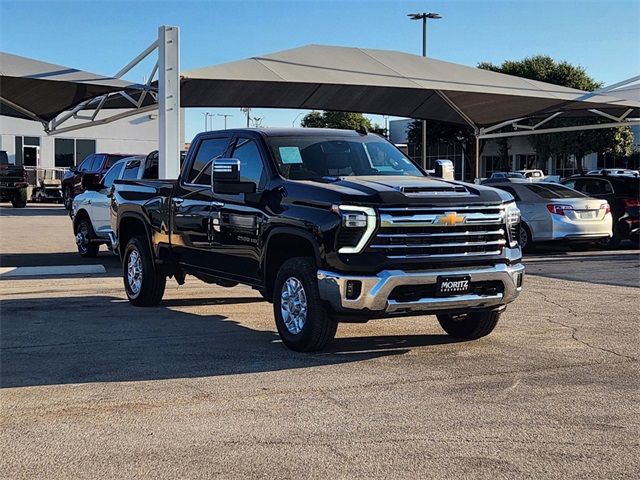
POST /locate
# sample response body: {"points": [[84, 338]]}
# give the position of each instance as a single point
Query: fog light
{"points": [[354, 287], [519, 279]]}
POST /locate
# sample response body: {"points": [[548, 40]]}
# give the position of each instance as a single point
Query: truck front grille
{"points": [[440, 232]]}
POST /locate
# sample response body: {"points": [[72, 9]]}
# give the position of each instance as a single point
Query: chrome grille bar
{"points": [[443, 245], [479, 233], [445, 255], [419, 220]]}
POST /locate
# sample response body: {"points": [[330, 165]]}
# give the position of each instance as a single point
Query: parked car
{"points": [[504, 177], [13, 182], [622, 192], [532, 175], [328, 225], [95, 165], [614, 172], [90, 212], [553, 212]]}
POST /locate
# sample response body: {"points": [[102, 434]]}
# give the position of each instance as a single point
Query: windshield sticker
{"points": [[290, 155]]}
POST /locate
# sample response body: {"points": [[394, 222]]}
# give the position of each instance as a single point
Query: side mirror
{"points": [[92, 182], [225, 177]]}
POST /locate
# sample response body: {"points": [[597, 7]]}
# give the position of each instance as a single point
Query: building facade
{"points": [[27, 144]]}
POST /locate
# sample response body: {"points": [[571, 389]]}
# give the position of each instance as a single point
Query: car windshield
{"points": [[554, 191], [311, 157]]}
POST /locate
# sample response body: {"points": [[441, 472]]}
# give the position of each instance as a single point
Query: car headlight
{"points": [[512, 216], [356, 227]]}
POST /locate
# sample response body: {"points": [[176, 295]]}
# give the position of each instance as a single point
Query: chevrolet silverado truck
{"points": [[13, 182], [328, 225]]}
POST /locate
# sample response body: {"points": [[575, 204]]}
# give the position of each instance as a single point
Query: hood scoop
{"points": [[430, 190]]}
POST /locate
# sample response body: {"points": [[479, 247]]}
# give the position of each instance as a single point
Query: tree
{"points": [[617, 141], [343, 120]]}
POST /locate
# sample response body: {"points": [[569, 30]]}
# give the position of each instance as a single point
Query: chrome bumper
{"points": [[375, 292]]}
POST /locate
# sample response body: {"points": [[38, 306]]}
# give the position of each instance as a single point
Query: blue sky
{"points": [[102, 36]]}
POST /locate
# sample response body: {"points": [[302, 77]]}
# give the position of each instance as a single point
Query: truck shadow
{"points": [[53, 341], [31, 210]]}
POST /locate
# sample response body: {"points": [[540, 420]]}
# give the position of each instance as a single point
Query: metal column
{"points": [[169, 102]]}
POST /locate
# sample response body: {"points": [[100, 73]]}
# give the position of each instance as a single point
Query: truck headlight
{"points": [[512, 215], [356, 228]]}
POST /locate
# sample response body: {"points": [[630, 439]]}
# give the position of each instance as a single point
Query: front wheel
{"points": [[470, 326], [526, 240], [19, 199], [142, 281], [302, 321]]}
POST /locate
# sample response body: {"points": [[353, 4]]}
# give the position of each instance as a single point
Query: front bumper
{"points": [[376, 290]]}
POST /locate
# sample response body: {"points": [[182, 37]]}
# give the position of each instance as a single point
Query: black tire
{"points": [[319, 328], [471, 325], [525, 240], [19, 199], [84, 235], [152, 283], [612, 242], [67, 199]]}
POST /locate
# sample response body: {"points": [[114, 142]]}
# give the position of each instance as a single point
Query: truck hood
{"points": [[401, 190]]}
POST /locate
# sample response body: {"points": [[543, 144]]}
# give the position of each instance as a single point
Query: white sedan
{"points": [[553, 212], [91, 209]]}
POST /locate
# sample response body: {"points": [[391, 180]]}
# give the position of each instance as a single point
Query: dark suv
{"points": [[95, 164], [622, 193]]}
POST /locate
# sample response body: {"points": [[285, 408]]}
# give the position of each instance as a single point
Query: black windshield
{"points": [[309, 157]]}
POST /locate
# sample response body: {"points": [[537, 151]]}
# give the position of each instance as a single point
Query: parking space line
{"points": [[51, 270]]}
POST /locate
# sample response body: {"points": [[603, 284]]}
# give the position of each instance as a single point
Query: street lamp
{"points": [[206, 120], [225, 115], [424, 16]]}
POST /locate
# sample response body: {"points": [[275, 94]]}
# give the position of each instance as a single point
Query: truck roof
{"points": [[286, 132]]}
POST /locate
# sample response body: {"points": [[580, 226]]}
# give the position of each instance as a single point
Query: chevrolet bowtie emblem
{"points": [[450, 218]]}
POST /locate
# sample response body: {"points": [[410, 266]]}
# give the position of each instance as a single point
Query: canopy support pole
{"points": [[477, 154], [168, 102]]}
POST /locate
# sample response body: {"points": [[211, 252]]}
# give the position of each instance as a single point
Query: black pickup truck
{"points": [[13, 182], [329, 225]]}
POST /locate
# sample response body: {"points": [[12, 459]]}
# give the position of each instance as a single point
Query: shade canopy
{"points": [[385, 82], [37, 90]]}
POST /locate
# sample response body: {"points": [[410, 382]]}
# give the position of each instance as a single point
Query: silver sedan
{"points": [[553, 212]]}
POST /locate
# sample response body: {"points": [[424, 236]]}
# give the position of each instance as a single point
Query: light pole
{"points": [[424, 16], [247, 110], [206, 120], [293, 124], [225, 115]]}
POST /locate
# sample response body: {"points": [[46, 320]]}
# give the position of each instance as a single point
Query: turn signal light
{"points": [[558, 209]]}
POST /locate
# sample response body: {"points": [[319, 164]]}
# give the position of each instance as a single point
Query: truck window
{"points": [[86, 164], [112, 174], [251, 166], [131, 170], [211, 148]]}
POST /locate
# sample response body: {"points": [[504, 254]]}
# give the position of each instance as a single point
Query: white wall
{"points": [[136, 134]]}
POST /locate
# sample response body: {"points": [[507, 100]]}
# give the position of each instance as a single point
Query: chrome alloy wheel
{"points": [[524, 237], [82, 238], [293, 305], [134, 272]]}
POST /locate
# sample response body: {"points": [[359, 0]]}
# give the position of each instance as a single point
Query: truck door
{"points": [[237, 219], [191, 207]]}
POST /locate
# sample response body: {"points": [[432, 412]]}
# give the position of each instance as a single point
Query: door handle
{"points": [[217, 204], [178, 201]]}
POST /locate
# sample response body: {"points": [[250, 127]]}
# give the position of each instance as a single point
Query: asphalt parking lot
{"points": [[201, 387]]}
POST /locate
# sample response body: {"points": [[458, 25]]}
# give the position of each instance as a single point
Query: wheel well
{"points": [[281, 247], [81, 215], [128, 228]]}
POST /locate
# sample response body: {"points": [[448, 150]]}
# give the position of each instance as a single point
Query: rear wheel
{"points": [[143, 283], [470, 325], [84, 235], [19, 199], [611, 242], [67, 200], [302, 321]]}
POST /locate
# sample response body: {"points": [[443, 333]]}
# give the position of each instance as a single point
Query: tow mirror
{"points": [[91, 181], [225, 177], [444, 169]]}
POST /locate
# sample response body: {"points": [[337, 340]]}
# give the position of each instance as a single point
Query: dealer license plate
{"points": [[454, 285]]}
